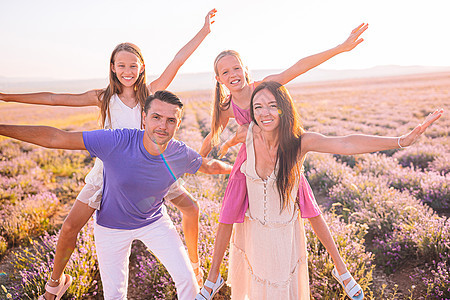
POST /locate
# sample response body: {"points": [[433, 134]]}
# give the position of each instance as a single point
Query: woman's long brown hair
{"points": [[221, 102], [115, 87], [289, 139]]}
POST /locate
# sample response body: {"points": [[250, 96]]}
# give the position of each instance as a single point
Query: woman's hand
{"points": [[410, 138]]}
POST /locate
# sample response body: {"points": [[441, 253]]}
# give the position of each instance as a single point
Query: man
{"points": [[139, 168]]}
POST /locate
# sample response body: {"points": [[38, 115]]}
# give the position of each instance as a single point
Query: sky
{"points": [[52, 39]]}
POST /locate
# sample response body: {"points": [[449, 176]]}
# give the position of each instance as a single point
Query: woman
{"points": [[268, 250], [232, 100]]}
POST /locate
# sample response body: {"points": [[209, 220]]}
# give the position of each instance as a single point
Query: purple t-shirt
{"points": [[135, 181]]}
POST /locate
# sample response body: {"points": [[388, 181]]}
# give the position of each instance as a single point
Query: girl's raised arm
{"points": [[89, 98], [358, 143], [309, 62], [163, 81]]}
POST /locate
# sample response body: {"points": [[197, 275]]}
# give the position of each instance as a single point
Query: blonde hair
{"points": [[115, 87], [221, 100]]}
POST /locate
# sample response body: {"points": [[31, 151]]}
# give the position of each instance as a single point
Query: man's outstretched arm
{"points": [[45, 136], [214, 166]]}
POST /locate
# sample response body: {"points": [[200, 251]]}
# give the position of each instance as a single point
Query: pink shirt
{"points": [[235, 199]]}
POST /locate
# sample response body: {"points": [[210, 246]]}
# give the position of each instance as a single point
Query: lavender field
{"points": [[388, 212]]}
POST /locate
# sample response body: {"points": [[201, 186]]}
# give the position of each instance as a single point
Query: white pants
{"points": [[114, 248]]}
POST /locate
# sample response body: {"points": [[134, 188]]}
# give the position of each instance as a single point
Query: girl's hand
{"points": [[238, 137], [223, 150], [410, 138], [209, 20], [353, 40]]}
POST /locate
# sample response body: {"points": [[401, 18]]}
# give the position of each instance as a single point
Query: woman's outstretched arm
{"points": [[309, 62], [163, 81], [358, 143]]}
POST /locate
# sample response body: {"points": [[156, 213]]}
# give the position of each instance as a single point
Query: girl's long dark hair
{"points": [[289, 139], [221, 102], [115, 87]]}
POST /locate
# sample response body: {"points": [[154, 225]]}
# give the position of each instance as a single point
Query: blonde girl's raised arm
{"points": [[359, 143], [89, 98], [309, 62], [163, 81]]}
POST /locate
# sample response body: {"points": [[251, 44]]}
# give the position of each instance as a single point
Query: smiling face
{"points": [[161, 122], [127, 67], [231, 73], [265, 110]]}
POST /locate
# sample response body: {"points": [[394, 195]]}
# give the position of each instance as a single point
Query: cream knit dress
{"points": [[268, 258]]}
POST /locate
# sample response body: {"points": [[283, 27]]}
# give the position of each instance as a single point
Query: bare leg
{"points": [[189, 208], [323, 233], [77, 218], [223, 237]]}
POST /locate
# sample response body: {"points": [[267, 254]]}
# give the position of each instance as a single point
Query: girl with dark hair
{"points": [[121, 104], [268, 250]]}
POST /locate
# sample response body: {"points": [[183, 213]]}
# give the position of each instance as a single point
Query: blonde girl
{"points": [[232, 100]]}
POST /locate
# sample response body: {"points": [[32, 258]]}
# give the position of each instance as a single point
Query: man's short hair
{"points": [[164, 96]]}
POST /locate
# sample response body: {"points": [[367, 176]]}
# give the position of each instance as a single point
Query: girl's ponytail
{"points": [[221, 102]]}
